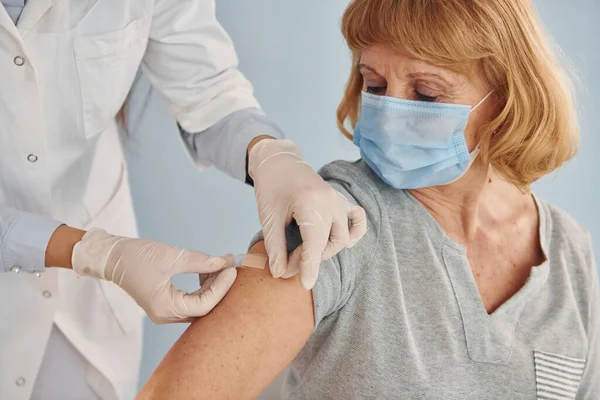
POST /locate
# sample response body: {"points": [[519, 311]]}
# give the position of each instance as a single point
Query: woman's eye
{"points": [[424, 97], [376, 90]]}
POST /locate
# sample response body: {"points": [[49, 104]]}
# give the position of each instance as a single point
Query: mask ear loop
{"points": [[482, 100], [475, 153]]}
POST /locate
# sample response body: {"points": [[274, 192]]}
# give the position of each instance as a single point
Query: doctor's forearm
{"points": [[226, 143], [60, 247]]}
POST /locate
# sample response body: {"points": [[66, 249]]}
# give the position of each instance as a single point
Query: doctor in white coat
{"points": [[66, 67]]}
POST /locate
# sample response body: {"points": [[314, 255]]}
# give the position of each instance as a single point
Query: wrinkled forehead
{"points": [[390, 63]]}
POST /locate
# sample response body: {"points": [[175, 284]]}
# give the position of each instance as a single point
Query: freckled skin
{"points": [[242, 345], [501, 260]]}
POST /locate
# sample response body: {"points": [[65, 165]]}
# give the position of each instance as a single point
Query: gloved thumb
{"points": [[293, 266], [275, 245], [189, 305]]}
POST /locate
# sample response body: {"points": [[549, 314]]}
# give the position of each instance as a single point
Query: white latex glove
{"points": [[288, 188], [145, 269]]}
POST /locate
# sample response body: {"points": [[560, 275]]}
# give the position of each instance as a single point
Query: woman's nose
{"points": [[399, 90]]}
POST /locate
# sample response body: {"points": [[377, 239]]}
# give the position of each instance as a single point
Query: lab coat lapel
{"points": [[33, 12], [7, 24]]}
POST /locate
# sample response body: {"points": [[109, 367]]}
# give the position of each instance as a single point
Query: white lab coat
{"points": [[64, 73]]}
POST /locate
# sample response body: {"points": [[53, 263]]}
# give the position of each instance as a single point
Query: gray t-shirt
{"points": [[399, 315]]}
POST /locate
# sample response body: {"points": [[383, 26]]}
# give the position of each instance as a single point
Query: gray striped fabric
{"points": [[557, 377]]}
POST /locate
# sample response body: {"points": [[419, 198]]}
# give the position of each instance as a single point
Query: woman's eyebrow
{"points": [[365, 66], [414, 75]]}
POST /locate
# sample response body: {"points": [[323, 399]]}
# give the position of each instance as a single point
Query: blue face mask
{"points": [[414, 144]]}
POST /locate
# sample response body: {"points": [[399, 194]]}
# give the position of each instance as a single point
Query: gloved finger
{"points": [[309, 266], [275, 245], [175, 320], [206, 282], [293, 266], [187, 305], [315, 233], [339, 238], [202, 278], [196, 262], [358, 224]]}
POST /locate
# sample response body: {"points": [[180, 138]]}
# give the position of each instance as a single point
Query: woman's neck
{"points": [[479, 199]]}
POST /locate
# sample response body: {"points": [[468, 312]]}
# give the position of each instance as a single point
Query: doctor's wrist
{"points": [[60, 247], [254, 141]]}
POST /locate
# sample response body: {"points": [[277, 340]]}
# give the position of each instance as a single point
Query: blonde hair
{"points": [[536, 129]]}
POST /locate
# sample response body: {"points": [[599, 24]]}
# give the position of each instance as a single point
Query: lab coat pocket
{"points": [[107, 64]]}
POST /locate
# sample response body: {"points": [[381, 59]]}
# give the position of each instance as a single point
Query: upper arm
{"points": [[191, 61], [241, 346]]}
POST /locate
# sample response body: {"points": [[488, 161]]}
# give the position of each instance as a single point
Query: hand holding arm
{"points": [[288, 188], [145, 269]]}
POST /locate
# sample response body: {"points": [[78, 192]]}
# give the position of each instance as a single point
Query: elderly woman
{"points": [[466, 286]]}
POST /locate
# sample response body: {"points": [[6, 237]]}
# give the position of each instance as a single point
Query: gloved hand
{"points": [[288, 188], [145, 269]]}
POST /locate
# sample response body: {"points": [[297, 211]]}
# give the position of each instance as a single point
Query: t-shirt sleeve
{"points": [[590, 382], [338, 275]]}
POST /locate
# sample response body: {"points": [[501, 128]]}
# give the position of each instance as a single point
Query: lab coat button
{"points": [[16, 269], [32, 158], [20, 381], [46, 294], [19, 61]]}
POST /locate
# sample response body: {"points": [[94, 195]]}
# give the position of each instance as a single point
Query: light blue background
{"points": [[295, 56]]}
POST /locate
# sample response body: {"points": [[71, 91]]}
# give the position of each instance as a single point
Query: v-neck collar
{"points": [[489, 337]]}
